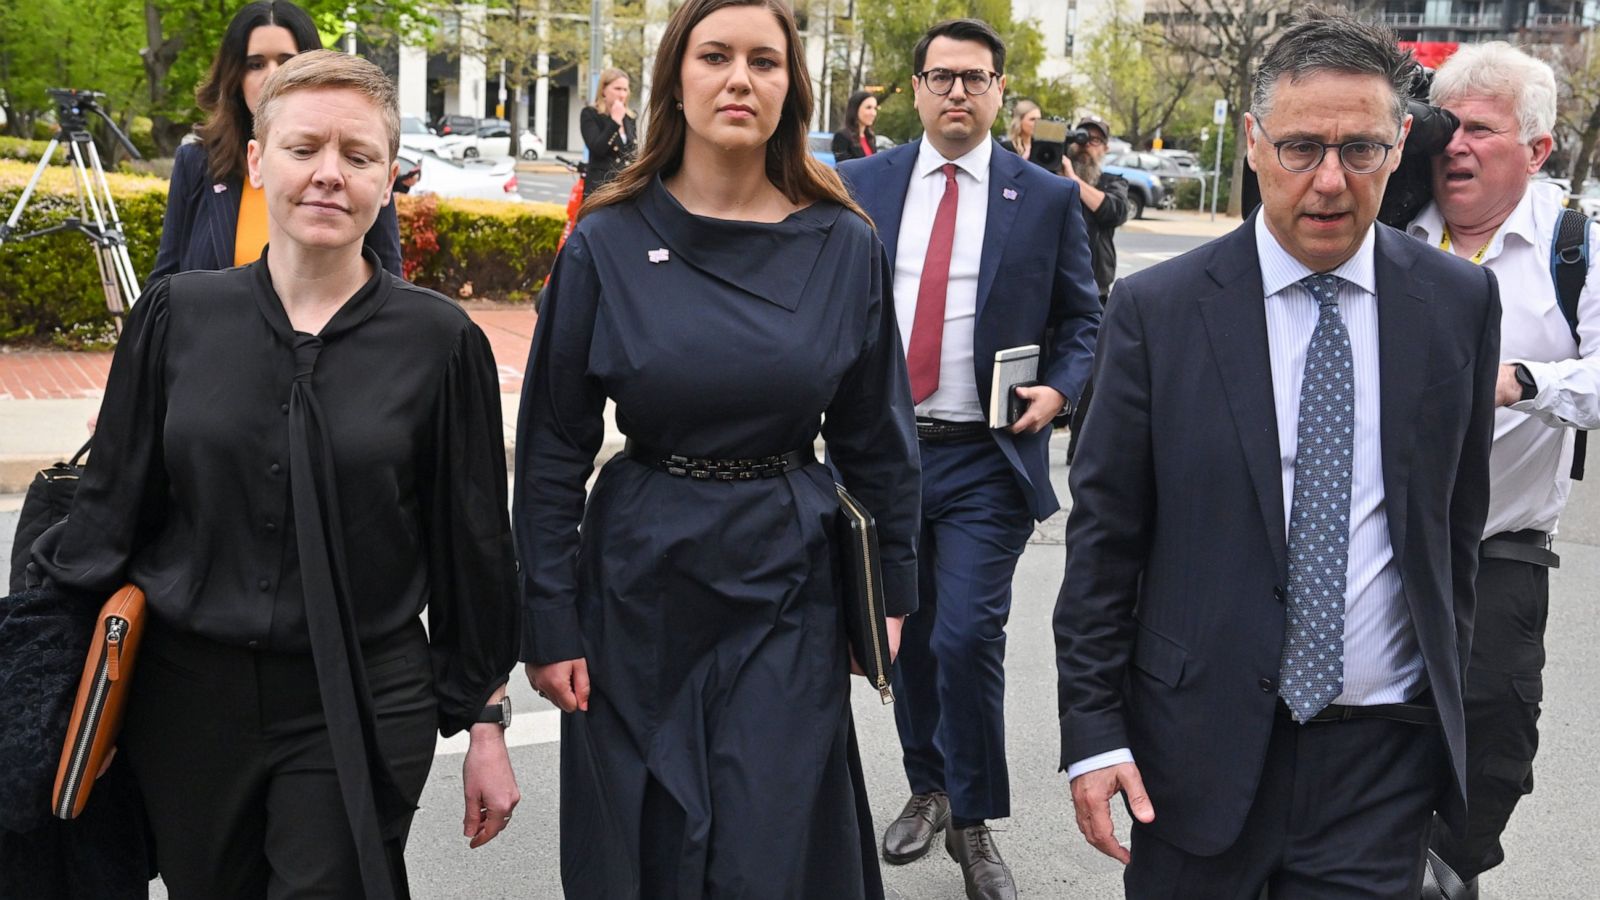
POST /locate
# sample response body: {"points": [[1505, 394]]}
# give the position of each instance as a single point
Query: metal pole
{"points": [[595, 19], [1216, 173]]}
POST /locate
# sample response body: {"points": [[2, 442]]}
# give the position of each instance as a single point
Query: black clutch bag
{"points": [[864, 616]]}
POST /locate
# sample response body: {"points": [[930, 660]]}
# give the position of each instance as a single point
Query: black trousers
{"points": [[1505, 684], [1342, 811], [231, 751]]}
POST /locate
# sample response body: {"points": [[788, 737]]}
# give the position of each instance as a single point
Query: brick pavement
{"points": [[69, 375]]}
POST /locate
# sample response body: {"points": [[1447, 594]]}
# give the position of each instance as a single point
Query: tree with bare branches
{"points": [[1229, 36], [1137, 81]]}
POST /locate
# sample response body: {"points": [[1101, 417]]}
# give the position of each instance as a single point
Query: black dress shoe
{"points": [[909, 837], [987, 875]]}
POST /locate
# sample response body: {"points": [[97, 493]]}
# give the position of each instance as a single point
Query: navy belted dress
{"points": [[717, 757]]}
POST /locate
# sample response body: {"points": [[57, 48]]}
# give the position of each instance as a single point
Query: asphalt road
{"points": [[1550, 844]]}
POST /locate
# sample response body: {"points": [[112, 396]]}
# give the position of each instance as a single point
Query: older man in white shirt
{"points": [[1487, 210]]}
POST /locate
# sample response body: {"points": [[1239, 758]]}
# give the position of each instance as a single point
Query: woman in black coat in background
{"points": [[856, 139], [609, 131], [215, 219]]}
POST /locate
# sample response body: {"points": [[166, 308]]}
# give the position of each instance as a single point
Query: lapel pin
{"points": [[659, 256], [218, 188], [1009, 194]]}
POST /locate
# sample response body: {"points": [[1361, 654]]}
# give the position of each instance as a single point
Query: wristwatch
{"points": [[498, 713], [1530, 388]]}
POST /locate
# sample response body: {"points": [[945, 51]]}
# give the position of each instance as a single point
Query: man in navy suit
{"points": [[989, 253], [1277, 502]]}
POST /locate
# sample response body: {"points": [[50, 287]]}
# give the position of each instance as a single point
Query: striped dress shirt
{"points": [[1382, 662]]}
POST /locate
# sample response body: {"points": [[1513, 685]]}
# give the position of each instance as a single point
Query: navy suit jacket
{"points": [[1035, 283], [1170, 622], [201, 222]]}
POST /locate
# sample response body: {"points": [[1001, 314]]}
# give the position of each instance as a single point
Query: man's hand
{"points": [[565, 683], [489, 785], [1091, 799], [892, 626], [1044, 404], [1507, 389]]}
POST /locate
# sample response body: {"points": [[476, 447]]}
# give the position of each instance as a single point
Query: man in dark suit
{"points": [[989, 253], [1278, 498]]}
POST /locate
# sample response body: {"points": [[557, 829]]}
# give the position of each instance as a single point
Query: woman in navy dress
{"points": [[732, 300]]}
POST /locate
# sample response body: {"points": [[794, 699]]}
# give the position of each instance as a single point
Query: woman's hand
{"points": [[565, 683], [892, 626], [490, 785], [619, 111]]}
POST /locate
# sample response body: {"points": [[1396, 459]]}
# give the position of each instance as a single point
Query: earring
{"points": [[679, 104]]}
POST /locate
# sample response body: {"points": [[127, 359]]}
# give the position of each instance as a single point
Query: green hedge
{"points": [[50, 286], [26, 151]]}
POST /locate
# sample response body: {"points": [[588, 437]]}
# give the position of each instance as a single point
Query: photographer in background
{"points": [[1486, 210], [1104, 196]]}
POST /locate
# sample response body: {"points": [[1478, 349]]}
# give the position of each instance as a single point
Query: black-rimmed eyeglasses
{"points": [[974, 81], [1302, 155]]}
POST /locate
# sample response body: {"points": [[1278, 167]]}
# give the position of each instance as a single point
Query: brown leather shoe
{"points": [[987, 875], [909, 837]]}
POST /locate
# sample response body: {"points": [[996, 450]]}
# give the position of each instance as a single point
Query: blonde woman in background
{"points": [[1019, 134], [609, 131]]}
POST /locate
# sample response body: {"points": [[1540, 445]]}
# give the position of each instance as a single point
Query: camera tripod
{"points": [[95, 206]]}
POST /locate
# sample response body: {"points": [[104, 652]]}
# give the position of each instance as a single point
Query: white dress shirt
{"points": [[1382, 661], [1531, 461], [956, 399]]}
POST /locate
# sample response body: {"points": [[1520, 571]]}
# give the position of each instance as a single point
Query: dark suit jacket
{"points": [[201, 221], [1035, 285], [1170, 622], [611, 146], [848, 146]]}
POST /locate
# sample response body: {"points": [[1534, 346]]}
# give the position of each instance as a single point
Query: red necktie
{"points": [[927, 327]]}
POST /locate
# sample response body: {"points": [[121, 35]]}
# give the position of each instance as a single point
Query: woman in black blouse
{"points": [[609, 131], [215, 218], [294, 459], [733, 300], [856, 139]]}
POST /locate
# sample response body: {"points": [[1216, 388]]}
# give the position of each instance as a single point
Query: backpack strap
{"points": [[1569, 267]]}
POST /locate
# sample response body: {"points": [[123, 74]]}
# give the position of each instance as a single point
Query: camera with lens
{"points": [[1410, 188], [1052, 138]]}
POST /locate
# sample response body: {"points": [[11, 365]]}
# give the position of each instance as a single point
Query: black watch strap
{"points": [[1530, 388], [497, 713]]}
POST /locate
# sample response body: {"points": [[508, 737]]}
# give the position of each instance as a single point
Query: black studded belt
{"points": [[743, 469], [936, 431]]}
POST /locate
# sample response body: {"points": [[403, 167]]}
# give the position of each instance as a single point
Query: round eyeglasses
{"points": [[1302, 155], [974, 81]]}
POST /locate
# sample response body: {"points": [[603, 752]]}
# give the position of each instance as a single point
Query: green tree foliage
{"points": [[891, 29], [1135, 80], [88, 44]]}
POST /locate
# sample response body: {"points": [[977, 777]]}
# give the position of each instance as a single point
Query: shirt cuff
{"points": [[1100, 761]]}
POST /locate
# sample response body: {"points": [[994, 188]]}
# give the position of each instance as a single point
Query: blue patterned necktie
{"points": [[1311, 672]]}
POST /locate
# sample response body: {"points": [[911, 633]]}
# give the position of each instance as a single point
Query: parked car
{"points": [[414, 133], [1145, 189], [1187, 162], [472, 179], [449, 125], [821, 145], [491, 139]]}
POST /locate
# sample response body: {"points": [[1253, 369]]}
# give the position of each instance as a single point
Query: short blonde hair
{"points": [[331, 69], [1498, 69]]}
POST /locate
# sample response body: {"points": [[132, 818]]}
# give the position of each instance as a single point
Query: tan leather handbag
{"points": [[102, 697]]}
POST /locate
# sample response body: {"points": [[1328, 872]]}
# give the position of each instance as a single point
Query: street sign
{"points": [[1219, 112]]}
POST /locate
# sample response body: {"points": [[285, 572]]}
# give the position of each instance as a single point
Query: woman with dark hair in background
{"points": [[856, 139], [215, 218], [732, 299], [609, 131]]}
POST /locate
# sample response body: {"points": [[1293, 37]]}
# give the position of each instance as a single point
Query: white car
{"points": [[417, 135], [492, 141], [471, 179]]}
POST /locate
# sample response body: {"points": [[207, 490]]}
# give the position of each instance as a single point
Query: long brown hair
{"points": [[790, 167], [228, 123]]}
